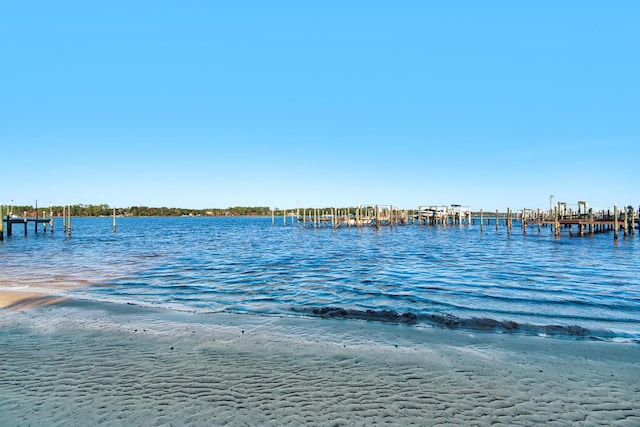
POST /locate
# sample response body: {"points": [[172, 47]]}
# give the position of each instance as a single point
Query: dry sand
{"points": [[77, 363]]}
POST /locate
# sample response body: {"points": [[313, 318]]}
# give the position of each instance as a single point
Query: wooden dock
{"points": [[24, 221], [585, 220], [44, 221], [10, 220]]}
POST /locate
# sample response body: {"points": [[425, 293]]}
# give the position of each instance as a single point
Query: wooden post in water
{"points": [[9, 225], [114, 220], [69, 221], [570, 219], [284, 217], [35, 223], [273, 217], [497, 219], [24, 218], [480, 219], [524, 221], [508, 220], [615, 222], [1, 223]]}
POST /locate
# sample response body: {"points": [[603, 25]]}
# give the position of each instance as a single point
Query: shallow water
{"points": [[450, 276], [81, 363]]}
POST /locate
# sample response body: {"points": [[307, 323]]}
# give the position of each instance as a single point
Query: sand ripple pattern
{"points": [[145, 371]]}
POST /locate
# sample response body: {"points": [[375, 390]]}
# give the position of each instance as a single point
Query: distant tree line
{"points": [[106, 210]]}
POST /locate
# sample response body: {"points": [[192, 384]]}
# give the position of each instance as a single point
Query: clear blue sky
{"points": [[327, 103]]}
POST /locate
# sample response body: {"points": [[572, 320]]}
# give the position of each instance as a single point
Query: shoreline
{"points": [[76, 361], [24, 300]]}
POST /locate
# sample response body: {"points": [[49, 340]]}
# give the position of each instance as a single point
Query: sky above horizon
{"points": [[242, 103]]}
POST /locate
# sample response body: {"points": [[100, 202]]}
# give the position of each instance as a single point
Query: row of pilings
{"points": [[579, 222]]}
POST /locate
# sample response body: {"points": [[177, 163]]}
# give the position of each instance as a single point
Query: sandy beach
{"points": [[19, 300], [78, 363]]}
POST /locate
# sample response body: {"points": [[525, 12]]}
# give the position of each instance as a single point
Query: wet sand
{"points": [[18, 300], [78, 363]]}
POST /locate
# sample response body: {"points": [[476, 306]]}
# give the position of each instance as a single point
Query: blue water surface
{"points": [[451, 276]]}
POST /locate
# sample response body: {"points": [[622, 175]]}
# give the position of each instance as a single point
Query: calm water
{"points": [[454, 277]]}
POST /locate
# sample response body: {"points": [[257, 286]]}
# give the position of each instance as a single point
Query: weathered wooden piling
{"points": [[1, 223], [69, 221], [114, 220], [615, 222], [558, 218]]}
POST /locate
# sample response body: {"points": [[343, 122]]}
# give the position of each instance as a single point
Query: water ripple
{"points": [[245, 264]]}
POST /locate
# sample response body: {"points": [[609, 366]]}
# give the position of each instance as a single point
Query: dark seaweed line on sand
{"points": [[453, 322]]}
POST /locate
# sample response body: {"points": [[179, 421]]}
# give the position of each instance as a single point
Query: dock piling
{"points": [[69, 221], [615, 222]]}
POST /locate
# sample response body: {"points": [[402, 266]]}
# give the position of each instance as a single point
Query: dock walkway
{"points": [[11, 221]]}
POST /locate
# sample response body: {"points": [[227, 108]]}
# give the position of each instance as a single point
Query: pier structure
{"points": [[560, 217], [443, 215], [360, 216], [586, 221], [10, 220], [375, 215]]}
